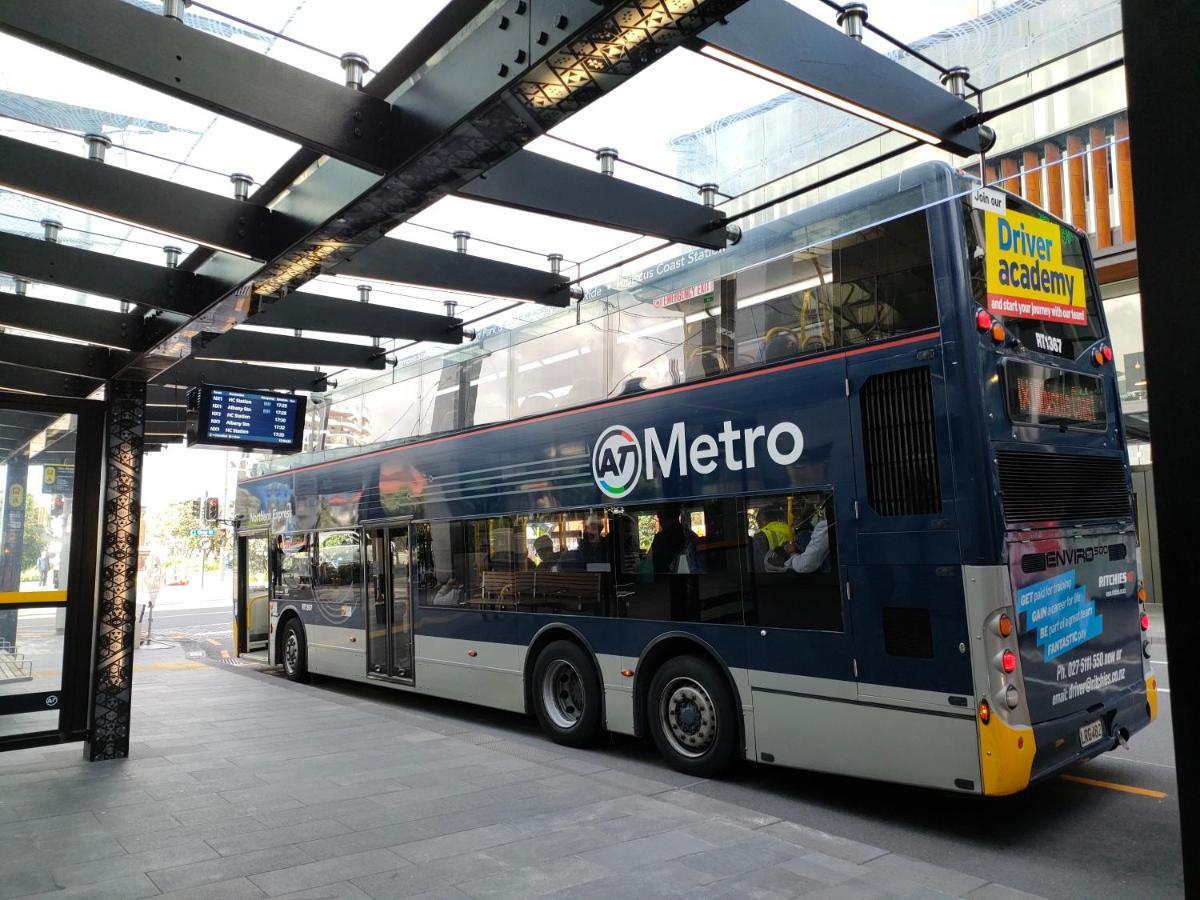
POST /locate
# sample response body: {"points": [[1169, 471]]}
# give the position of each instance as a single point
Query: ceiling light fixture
{"points": [[784, 81]]}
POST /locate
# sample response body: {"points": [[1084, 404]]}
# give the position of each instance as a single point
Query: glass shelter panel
{"points": [[38, 475]]}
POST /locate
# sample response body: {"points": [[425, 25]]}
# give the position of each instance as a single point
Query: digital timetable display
{"points": [[257, 420]]}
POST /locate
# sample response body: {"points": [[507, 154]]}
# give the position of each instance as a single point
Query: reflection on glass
{"points": [[31, 657]]}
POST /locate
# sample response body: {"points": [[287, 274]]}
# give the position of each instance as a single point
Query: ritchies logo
{"points": [[618, 458]]}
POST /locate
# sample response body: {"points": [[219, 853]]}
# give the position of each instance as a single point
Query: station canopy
{"points": [[336, 197]]}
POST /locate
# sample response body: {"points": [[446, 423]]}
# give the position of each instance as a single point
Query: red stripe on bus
{"points": [[620, 401]]}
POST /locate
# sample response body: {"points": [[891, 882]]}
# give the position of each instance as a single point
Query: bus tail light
{"points": [[1012, 697], [1141, 592], [1098, 357], [1108, 353], [998, 333], [983, 320], [1004, 625], [1008, 662], [985, 712], [1145, 621]]}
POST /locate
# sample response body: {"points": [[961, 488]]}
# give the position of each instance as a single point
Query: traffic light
{"points": [[212, 511], [196, 510]]}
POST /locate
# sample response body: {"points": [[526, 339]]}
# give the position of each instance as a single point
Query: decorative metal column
{"points": [[112, 675]]}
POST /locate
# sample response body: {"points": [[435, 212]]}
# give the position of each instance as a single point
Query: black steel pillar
{"points": [[112, 675], [1163, 85], [12, 532]]}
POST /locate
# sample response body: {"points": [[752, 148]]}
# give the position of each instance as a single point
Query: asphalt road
{"points": [[1108, 828]]}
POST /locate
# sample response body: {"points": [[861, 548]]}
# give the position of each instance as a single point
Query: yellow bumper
{"points": [[1152, 695], [1006, 755]]}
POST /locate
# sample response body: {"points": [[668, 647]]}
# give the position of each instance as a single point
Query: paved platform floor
{"points": [[243, 785]]}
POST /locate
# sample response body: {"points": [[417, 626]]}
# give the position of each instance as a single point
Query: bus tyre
{"points": [[566, 694], [294, 651], [693, 717]]}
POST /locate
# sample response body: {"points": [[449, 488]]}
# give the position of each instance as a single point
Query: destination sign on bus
{"points": [[1026, 277], [1043, 395]]}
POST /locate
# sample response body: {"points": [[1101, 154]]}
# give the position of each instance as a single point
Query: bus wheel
{"points": [[295, 651], [693, 717], [566, 694]]}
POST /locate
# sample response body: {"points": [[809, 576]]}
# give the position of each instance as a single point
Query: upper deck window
{"points": [[870, 285]]}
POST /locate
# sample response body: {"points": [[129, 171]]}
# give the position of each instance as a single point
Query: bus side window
{"points": [[792, 578], [678, 562]]}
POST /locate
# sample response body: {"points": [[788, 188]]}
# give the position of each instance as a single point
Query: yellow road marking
{"points": [[1113, 786], [167, 666]]}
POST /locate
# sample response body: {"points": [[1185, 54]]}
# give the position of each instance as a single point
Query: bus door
{"points": [[800, 650], [389, 603], [906, 591], [251, 606]]}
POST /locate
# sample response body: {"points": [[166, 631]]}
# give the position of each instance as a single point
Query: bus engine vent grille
{"points": [[1061, 487], [898, 440]]}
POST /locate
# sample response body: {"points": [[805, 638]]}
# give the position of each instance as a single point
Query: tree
{"points": [[37, 533], [170, 529]]}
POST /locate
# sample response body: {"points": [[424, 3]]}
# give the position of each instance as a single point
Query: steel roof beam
{"points": [[777, 36], [57, 356], [110, 276], [191, 372], [176, 209], [35, 381], [258, 346], [157, 395], [540, 184], [221, 76], [336, 316], [68, 320], [389, 259], [30, 421]]}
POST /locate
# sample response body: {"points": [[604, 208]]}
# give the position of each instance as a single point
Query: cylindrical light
{"points": [[174, 9], [354, 65], [955, 81], [96, 145], [460, 240], [708, 194], [172, 254], [556, 261], [50, 229], [608, 160], [451, 307], [241, 185], [852, 18], [364, 296], [20, 286]]}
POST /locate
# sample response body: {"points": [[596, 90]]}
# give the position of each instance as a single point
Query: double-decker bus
{"points": [[889, 534]]}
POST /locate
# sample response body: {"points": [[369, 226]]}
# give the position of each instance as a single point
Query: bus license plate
{"points": [[1091, 732]]}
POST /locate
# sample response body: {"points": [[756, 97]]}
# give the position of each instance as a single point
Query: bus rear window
{"points": [[1040, 395], [1032, 325]]}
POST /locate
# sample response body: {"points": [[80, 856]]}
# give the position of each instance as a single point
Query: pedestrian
{"points": [[43, 567], [276, 561]]}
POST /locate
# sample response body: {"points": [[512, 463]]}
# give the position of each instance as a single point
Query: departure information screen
{"points": [[260, 420]]}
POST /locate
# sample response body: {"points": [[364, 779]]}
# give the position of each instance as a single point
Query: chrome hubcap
{"points": [[291, 652], [562, 694], [689, 717]]}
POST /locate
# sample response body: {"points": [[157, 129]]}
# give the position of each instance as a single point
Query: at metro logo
{"points": [[619, 458]]}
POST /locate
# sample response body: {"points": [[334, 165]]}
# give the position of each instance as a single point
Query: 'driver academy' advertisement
{"points": [[1077, 612]]}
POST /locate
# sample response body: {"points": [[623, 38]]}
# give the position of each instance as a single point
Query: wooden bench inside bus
{"points": [[535, 589]]}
